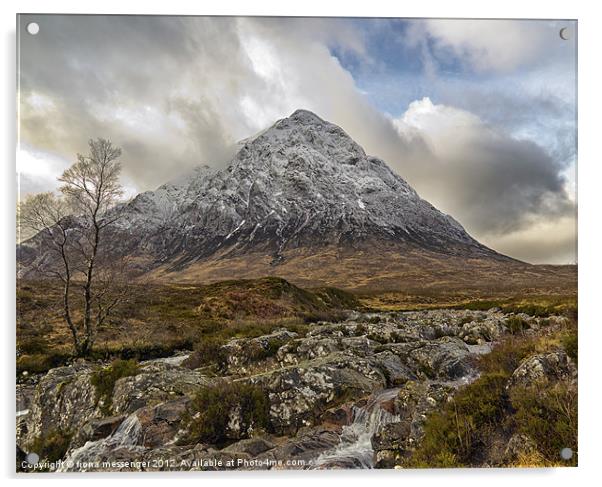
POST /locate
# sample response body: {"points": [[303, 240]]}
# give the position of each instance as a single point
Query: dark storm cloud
{"points": [[497, 182]]}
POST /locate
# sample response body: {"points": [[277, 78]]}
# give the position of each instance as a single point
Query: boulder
{"points": [[96, 429], [160, 424], [246, 355], [542, 367], [250, 446], [64, 400], [299, 394], [414, 402], [446, 358], [155, 383]]}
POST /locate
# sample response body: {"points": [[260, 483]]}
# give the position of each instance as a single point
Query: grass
{"points": [[539, 305], [159, 319], [461, 433], [516, 324]]}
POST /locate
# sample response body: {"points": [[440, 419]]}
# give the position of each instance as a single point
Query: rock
{"points": [[299, 394], [549, 366], [250, 446], [391, 436], [517, 446], [245, 355], [155, 383], [306, 446], [390, 443], [445, 358], [478, 332], [322, 342], [160, 424], [24, 396], [340, 415], [96, 429], [394, 370], [64, 400], [414, 402]]}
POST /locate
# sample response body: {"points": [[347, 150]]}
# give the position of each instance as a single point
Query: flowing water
{"points": [[127, 434], [355, 448]]}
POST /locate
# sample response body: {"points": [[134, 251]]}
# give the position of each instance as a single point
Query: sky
{"points": [[479, 116]]}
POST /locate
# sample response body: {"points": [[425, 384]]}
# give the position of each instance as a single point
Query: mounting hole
{"points": [[33, 28], [566, 453], [32, 458], [565, 33]]}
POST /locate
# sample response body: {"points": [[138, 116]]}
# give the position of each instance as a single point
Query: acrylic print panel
{"points": [[295, 243]]}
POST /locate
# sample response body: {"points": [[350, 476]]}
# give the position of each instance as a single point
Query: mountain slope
{"points": [[302, 183], [303, 201]]}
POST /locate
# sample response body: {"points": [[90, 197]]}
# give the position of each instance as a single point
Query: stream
{"points": [[355, 449]]}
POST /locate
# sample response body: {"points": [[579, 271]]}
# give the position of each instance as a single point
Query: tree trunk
{"points": [[88, 341]]}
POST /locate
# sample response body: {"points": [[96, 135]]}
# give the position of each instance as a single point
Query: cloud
{"points": [[492, 45], [546, 241], [177, 92], [498, 183]]}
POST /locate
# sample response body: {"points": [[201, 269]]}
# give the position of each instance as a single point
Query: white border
{"points": [[589, 182]]}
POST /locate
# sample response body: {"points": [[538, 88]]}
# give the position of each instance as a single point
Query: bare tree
{"points": [[72, 247]]}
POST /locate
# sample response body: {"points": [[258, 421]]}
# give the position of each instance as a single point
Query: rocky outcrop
{"points": [[156, 382], [96, 429], [350, 394], [64, 400], [543, 367], [413, 403], [299, 394], [243, 355]]}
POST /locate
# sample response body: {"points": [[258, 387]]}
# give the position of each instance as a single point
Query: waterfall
{"points": [[355, 448], [127, 434]]}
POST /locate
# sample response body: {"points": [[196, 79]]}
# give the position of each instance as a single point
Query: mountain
{"points": [[303, 201]]}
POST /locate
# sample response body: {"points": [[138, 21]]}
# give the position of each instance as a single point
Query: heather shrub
{"points": [[211, 409]]}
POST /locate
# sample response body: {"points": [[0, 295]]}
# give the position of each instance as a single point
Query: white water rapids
{"points": [[355, 448]]}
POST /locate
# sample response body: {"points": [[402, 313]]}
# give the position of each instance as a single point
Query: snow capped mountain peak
{"points": [[305, 116], [301, 183], [300, 189]]}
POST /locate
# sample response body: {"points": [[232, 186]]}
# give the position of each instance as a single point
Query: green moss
{"points": [[104, 380]]}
